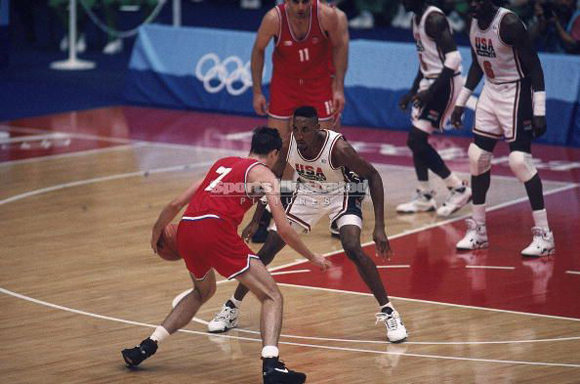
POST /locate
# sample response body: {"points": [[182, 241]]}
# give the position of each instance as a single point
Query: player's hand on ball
{"points": [[260, 104], [539, 126], [456, 117], [405, 100], [249, 231], [321, 261]]}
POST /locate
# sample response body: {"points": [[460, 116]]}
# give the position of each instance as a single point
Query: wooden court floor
{"points": [[78, 281]]}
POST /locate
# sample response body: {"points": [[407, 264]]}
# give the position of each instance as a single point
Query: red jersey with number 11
{"points": [[306, 58], [223, 191]]}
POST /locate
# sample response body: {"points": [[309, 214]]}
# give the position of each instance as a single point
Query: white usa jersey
{"points": [[431, 58], [498, 60], [318, 174]]}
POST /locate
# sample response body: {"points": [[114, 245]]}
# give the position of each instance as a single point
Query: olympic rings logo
{"points": [[231, 74]]}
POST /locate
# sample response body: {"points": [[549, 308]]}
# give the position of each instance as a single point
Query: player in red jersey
{"points": [[207, 239], [306, 33]]}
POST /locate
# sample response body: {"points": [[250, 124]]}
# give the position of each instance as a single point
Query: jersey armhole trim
{"points": [[339, 136], [246, 175], [278, 12]]}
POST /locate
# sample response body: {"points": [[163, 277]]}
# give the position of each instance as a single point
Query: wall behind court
{"points": [[209, 69]]}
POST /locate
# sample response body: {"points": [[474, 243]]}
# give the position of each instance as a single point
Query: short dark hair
{"points": [[265, 140], [307, 112]]}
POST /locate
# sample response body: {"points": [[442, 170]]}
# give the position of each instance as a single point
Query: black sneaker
{"points": [[134, 356], [275, 372]]}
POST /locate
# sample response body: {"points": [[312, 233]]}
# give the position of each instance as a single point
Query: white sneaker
{"points": [[475, 238], [396, 331], [224, 320], [113, 47], [421, 202], [457, 198], [542, 243]]}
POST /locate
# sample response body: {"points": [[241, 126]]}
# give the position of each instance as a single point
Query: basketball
{"points": [[167, 243]]}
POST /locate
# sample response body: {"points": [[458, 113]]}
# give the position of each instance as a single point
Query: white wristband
{"points": [[463, 97], [540, 103]]}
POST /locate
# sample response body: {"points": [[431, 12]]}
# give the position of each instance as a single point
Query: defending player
{"points": [[512, 106], [433, 93], [327, 166], [207, 239]]}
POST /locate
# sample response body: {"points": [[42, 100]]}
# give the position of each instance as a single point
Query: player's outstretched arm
{"points": [[513, 32], [473, 78], [269, 184], [170, 211], [344, 155], [267, 30]]}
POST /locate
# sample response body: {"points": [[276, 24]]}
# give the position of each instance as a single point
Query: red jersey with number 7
{"points": [[223, 192], [306, 58]]}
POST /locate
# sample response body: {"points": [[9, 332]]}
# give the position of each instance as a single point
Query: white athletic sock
{"points": [[159, 334], [541, 219], [452, 181], [478, 213], [270, 351], [423, 186], [237, 303]]}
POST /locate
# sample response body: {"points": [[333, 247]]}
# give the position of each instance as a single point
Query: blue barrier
{"points": [[202, 68]]}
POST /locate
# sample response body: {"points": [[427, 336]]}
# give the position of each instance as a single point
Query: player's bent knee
{"points": [[479, 160], [522, 165]]}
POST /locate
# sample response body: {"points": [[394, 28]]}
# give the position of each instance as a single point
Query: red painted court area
{"points": [[428, 266]]}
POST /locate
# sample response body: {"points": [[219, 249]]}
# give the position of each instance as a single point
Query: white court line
{"points": [[74, 154], [432, 302], [259, 340], [488, 267], [573, 272], [394, 266], [290, 272], [103, 178], [355, 341]]}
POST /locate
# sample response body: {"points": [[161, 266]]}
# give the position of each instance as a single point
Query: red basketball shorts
{"points": [[287, 94], [207, 242]]}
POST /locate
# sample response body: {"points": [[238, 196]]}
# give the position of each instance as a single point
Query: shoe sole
{"points": [[398, 341], [128, 362], [482, 246], [456, 209], [221, 330], [427, 210], [549, 253]]}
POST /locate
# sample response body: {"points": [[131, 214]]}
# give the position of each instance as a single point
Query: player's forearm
{"points": [[378, 196], [260, 208], [340, 60], [473, 76], [416, 82], [166, 216], [257, 69]]}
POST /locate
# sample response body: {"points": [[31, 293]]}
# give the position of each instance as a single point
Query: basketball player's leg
{"points": [[480, 156], [350, 230], [425, 121], [522, 166], [180, 316]]}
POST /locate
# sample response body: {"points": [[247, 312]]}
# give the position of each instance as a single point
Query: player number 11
{"points": [[304, 54]]}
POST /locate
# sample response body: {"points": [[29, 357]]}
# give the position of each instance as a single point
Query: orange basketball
{"points": [[167, 244]]}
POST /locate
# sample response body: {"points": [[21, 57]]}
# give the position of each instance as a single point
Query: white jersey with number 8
{"points": [[498, 60]]}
